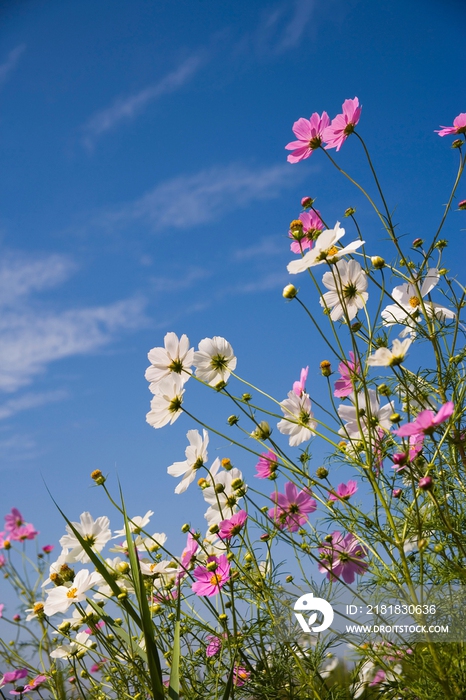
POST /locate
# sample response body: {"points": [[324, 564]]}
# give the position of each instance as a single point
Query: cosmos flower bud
{"points": [[417, 242], [263, 431], [211, 566], [289, 579], [356, 326], [322, 473], [326, 368], [265, 537], [219, 488], [462, 205], [213, 529], [457, 143], [442, 243], [378, 262], [236, 484], [98, 477], [425, 483], [232, 420], [395, 418], [246, 397], [350, 211], [396, 493], [307, 202], [384, 390], [185, 528], [290, 291], [226, 464]]}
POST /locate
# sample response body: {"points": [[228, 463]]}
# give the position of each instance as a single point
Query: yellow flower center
{"points": [[215, 579], [38, 607], [332, 251], [72, 593], [414, 302]]}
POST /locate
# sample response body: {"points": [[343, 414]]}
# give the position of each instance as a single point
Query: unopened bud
{"points": [[226, 464], [396, 493], [307, 202], [457, 143], [443, 271], [213, 529], [356, 326], [290, 291], [236, 484], [123, 567], [417, 242], [384, 390], [395, 418], [350, 211], [246, 397], [265, 537], [326, 368], [426, 483], [219, 488], [232, 420], [263, 431], [462, 205], [222, 617], [442, 243], [220, 386], [98, 477], [378, 262], [185, 528], [322, 473]]}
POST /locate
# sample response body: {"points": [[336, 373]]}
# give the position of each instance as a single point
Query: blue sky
{"points": [[145, 189]]}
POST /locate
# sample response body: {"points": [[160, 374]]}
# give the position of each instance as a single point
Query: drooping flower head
{"points": [[341, 557], [305, 230], [343, 125], [459, 126], [348, 370], [309, 133], [292, 508], [209, 582]]}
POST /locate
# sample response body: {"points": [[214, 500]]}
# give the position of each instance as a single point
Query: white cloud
{"points": [[190, 200], [127, 108], [23, 403], [10, 63], [296, 26], [33, 334], [262, 284], [184, 278], [267, 247]]}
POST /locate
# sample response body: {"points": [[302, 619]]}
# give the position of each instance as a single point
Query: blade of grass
{"points": [[174, 687]]}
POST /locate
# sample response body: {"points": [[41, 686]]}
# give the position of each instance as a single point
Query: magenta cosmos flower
{"points": [[303, 237], [459, 126], [344, 491], [341, 557], [189, 552], [25, 532], [13, 520], [348, 369], [291, 508], [240, 675], [232, 526], [266, 466], [309, 133], [426, 421], [343, 125], [209, 583], [13, 676]]}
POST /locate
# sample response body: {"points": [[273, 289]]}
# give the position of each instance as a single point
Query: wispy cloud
{"points": [[205, 196], [125, 109], [12, 59], [31, 400], [267, 247], [185, 279], [272, 280], [32, 334]]}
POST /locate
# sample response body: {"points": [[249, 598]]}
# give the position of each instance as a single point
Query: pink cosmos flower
{"points": [[2, 605], [209, 583], [240, 675], [215, 644], [95, 668], [309, 133], [13, 520], [266, 466], [5, 540], [379, 677], [231, 527], [459, 126], [343, 125], [99, 626], [13, 676], [426, 422], [25, 532], [291, 508], [348, 368], [312, 226], [341, 557], [47, 548], [300, 387], [35, 683], [189, 551], [344, 491], [2, 558]]}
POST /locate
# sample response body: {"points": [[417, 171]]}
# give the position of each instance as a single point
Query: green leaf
{"points": [[174, 687]]}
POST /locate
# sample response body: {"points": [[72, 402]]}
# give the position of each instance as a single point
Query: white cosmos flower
{"points": [[408, 302], [142, 544], [214, 361], [223, 503], [166, 404], [55, 567], [365, 416], [166, 569], [298, 422], [66, 651], [347, 283], [324, 249], [136, 524], [95, 532], [383, 357], [60, 598], [175, 358], [196, 457]]}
